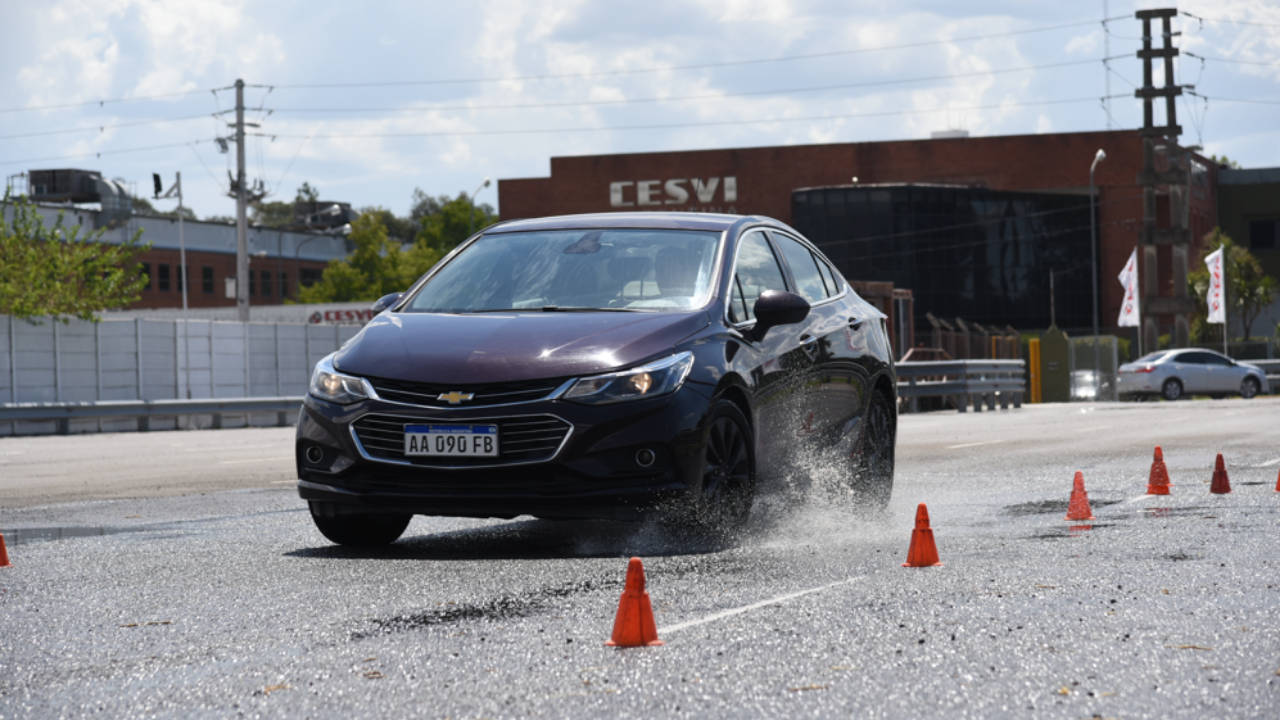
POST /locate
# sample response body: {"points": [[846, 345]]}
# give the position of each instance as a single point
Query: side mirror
{"points": [[774, 308], [385, 302]]}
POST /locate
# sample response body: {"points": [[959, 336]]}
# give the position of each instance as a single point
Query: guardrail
{"points": [[967, 381], [144, 410], [1272, 369]]}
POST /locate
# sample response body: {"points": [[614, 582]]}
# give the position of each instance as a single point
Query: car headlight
{"points": [[331, 385], [657, 378]]}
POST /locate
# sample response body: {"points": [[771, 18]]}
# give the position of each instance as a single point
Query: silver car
{"points": [[1172, 374]]}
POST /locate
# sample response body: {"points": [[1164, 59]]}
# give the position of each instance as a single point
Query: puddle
{"points": [[1071, 531], [504, 608], [1180, 556], [1254, 483], [1045, 507], [19, 536], [1164, 512]]}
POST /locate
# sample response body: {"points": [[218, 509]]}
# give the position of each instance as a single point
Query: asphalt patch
{"points": [[1045, 507]]}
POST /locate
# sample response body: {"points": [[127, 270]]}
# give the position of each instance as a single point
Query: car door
{"points": [[777, 365], [834, 390], [1224, 375], [1190, 368]]}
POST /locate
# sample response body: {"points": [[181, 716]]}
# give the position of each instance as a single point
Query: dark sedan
{"points": [[616, 366]]}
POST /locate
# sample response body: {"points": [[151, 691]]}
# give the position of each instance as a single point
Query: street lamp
{"points": [[1093, 250], [471, 211]]}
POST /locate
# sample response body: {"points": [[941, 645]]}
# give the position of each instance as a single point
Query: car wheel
{"points": [[362, 530], [724, 499], [1172, 389], [1249, 387], [871, 482]]}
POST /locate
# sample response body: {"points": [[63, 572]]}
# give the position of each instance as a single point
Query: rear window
{"points": [[1152, 356]]}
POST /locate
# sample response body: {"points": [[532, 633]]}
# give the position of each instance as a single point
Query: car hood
{"points": [[501, 347]]}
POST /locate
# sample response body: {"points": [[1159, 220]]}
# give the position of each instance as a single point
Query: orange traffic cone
{"points": [[4, 554], [1221, 485], [1158, 482], [1277, 483], [923, 552], [634, 626], [1078, 508]]}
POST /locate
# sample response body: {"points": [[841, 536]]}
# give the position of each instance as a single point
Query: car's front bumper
{"points": [[593, 472]]}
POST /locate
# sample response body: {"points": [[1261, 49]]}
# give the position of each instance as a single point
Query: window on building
{"points": [[284, 284], [1262, 234], [163, 284], [146, 274], [266, 283], [182, 277], [310, 276], [206, 279], [253, 285]]}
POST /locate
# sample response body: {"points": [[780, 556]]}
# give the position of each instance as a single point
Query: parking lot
{"points": [[176, 574]]}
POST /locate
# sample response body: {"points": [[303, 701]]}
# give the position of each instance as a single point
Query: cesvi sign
{"points": [[340, 317], [676, 191]]}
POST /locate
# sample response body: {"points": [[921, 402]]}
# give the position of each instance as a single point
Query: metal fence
{"points": [[156, 360]]}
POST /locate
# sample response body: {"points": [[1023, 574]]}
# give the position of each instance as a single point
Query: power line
{"points": [[666, 126], [1239, 100], [684, 98], [1233, 22], [100, 153], [104, 102], [102, 128], [1271, 63], [700, 66]]}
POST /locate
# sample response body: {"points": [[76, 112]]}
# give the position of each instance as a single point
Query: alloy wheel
{"points": [[728, 472]]}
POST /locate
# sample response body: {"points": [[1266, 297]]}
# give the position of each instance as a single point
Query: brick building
{"points": [[764, 181]]}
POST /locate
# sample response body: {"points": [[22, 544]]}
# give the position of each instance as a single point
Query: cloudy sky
{"points": [[368, 101]]}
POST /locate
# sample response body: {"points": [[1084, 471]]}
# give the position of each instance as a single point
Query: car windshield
{"points": [[1152, 356], [617, 270]]}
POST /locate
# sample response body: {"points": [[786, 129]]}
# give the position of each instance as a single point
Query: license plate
{"points": [[451, 440]]}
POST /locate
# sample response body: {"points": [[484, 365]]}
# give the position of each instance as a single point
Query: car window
{"points": [[1191, 358], [804, 269], [1212, 359], [828, 275], [611, 269], [1152, 356], [757, 271]]}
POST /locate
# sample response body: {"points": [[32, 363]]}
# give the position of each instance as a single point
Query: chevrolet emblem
{"points": [[453, 397]]}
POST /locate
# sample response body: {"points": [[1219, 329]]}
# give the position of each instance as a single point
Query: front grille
{"points": [[523, 439], [427, 394]]}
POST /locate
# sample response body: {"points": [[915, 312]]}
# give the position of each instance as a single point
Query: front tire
{"points": [[1249, 387], [362, 530], [1171, 390], [724, 500], [871, 481]]}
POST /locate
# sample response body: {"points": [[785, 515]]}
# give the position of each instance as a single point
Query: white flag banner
{"points": [[1129, 307], [1215, 299]]}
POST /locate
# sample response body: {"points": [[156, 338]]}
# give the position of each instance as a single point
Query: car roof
{"points": [[656, 220]]}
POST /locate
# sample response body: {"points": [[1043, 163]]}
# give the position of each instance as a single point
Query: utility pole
{"points": [[1178, 235], [242, 220]]}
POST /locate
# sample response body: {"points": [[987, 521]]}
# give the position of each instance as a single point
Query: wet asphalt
{"points": [[229, 604]]}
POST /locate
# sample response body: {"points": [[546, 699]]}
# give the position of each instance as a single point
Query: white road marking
{"points": [[254, 460], [282, 482], [1269, 463], [957, 447], [753, 606], [213, 448], [1138, 499], [1091, 429]]}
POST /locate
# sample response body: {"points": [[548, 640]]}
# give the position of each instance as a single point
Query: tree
{"points": [[54, 272], [376, 267], [422, 205], [1225, 162], [1249, 289], [306, 193], [399, 229], [443, 230], [273, 214], [143, 206]]}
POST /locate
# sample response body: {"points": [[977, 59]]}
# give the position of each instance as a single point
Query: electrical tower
{"points": [[1175, 178]]}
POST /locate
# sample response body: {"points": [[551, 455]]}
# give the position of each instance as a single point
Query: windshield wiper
{"points": [[557, 308]]}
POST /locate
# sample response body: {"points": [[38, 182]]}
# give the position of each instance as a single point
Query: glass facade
{"points": [[981, 255]]}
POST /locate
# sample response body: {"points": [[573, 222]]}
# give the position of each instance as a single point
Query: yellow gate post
{"points": [[1033, 369]]}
